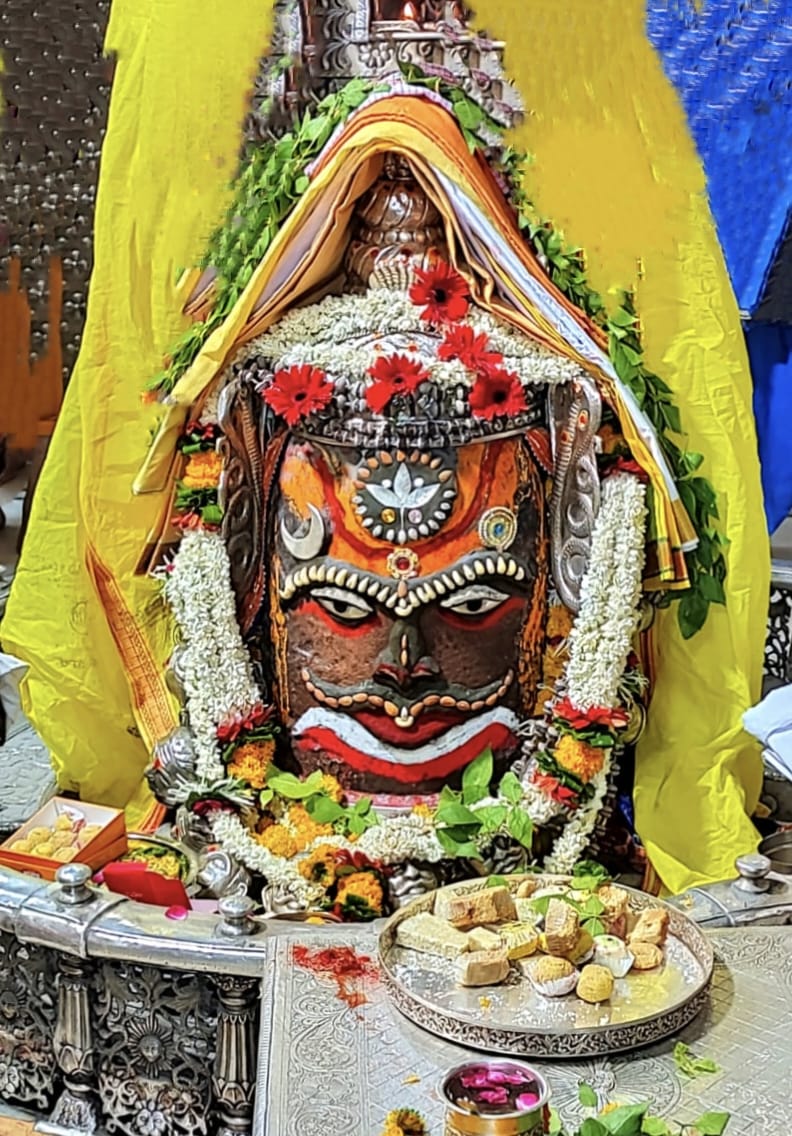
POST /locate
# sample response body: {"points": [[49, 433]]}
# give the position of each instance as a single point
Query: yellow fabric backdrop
{"points": [[615, 167]]}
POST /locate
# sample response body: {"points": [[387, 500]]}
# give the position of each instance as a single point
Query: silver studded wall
{"points": [[55, 85]]}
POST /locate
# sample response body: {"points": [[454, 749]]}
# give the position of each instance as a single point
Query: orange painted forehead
{"points": [[431, 502]]}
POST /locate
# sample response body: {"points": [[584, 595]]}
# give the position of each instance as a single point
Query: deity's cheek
{"points": [[475, 652], [344, 654]]}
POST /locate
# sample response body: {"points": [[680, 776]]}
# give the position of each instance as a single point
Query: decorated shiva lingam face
{"points": [[411, 588]]}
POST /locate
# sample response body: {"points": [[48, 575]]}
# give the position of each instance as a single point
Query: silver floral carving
{"points": [[155, 1042], [28, 1014], [575, 411]]}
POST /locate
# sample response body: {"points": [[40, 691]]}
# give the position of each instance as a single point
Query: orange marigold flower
{"points": [[305, 830], [251, 761], [579, 758], [320, 866], [361, 885], [278, 840], [332, 787], [203, 470]]}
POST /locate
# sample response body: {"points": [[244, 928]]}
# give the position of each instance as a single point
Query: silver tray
{"points": [[644, 1008]]}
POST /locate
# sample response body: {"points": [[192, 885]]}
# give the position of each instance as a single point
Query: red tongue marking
{"points": [[320, 739]]}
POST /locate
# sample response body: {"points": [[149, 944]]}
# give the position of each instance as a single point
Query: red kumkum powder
{"points": [[343, 965]]}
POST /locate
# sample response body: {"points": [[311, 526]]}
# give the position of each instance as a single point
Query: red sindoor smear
{"points": [[343, 965]]}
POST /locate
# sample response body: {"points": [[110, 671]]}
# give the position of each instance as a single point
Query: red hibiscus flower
{"points": [[495, 393], [442, 293], [553, 788], [594, 716], [187, 521], [393, 374], [298, 391], [627, 465], [230, 729], [472, 350]]}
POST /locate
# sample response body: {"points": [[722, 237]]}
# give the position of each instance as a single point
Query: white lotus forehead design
{"points": [[403, 497]]}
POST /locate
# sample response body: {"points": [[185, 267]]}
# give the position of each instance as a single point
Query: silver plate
{"points": [[643, 1009]]}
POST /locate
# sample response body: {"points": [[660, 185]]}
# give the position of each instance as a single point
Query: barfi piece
{"points": [[652, 927], [490, 905], [562, 924], [483, 939], [483, 968], [432, 936]]}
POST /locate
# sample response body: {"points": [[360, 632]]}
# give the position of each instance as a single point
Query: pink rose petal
{"points": [[526, 1101], [494, 1096], [177, 912]]}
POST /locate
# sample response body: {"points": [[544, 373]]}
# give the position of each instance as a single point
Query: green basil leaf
{"points": [[454, 813], [476, 778], [324, 810], [510, 788], [455, 847], [491, 817], [712, 1123], [653, 1126], [625, 1121], [496, 882], [520, 826], [586, 1095], [592, 1127], [711, 589]]}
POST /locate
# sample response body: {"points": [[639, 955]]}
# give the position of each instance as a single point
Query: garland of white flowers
{"points": [[218, 683], [213, 662], [602, 634], [325, 334]]}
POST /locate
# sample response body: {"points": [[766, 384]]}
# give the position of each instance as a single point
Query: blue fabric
{"points": [[731, 62], [770, 351]]}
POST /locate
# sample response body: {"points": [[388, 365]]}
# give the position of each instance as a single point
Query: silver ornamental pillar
{"points": [[75, 1111], [234, 1074]]}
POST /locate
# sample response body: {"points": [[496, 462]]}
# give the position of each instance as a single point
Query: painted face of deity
{"points": [[408, 598]]}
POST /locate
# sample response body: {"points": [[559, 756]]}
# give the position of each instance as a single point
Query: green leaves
{"points": [[692, 1066], [712, 1123], [520, 826], [510, 788], [291, 787], [586, 1095], [270, 181], [476, 778]]}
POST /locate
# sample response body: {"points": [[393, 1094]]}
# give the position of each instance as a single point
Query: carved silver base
{"points": [[73, 1115]]}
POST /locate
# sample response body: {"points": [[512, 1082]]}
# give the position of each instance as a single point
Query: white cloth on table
{"points": [[771, 723], [11, 673]]}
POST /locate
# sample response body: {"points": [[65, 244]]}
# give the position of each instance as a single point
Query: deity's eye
{"points": [[349, 607], [478, 599]]}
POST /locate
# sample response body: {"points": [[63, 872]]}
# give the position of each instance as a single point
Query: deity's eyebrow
{"points": [[404, 595]]}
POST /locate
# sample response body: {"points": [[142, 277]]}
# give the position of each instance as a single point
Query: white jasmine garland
{"points": [[572, 842], [602, 634], [337, 335], [214, 663]]}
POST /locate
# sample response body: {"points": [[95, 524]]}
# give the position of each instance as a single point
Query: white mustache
{"points": [[355, 735]]}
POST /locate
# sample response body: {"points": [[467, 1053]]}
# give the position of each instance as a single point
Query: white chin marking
{"points": [[356, 736]]}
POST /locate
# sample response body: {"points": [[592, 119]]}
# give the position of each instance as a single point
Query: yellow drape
{"points": [[615, 167], [179, 98]]}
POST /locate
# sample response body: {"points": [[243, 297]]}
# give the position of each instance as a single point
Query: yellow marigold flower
{"points": [[405, 1122], [278, 840], [559, 622], [610, 438], [304, 829], [423, 810], [611, 1106], [361, 885], [251, 761], [579, 758], [203, 470], [320, 866], [332, 788]]}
